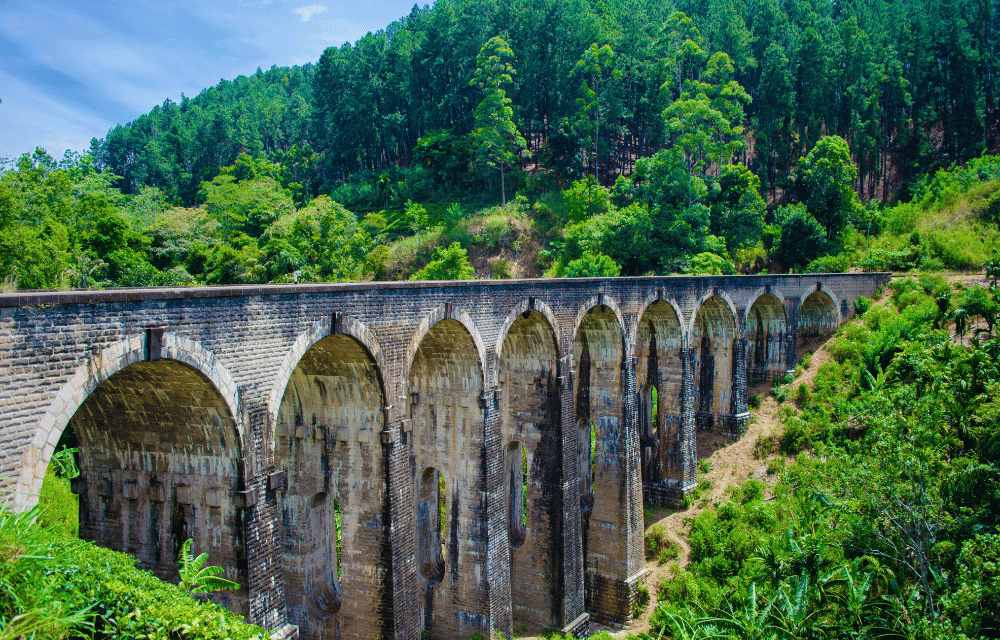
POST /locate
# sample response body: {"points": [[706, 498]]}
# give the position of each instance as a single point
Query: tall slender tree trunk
{"points": [[503, 186]]}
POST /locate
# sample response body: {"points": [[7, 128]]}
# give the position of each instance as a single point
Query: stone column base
{"points": [[579, 628], [661, 495], [287, 632], [610, 600]]}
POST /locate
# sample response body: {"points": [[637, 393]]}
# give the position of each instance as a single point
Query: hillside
{"points": [[910, 85]]}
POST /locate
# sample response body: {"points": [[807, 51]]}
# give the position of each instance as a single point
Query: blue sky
{"points": [[70, 70]]}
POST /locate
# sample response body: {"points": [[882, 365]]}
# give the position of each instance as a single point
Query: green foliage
{"points": [[496, 138], [737, 207], [825, 180], [448, 263], [592, 265], [802, 238], [195, 577], [885, 525], [710, 264], [52, 586]]}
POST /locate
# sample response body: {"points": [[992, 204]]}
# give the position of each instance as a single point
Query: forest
{"points": [[632, 138]]}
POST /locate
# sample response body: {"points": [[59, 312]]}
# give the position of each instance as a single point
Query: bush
{"points": [[64, 587], [828, 264], [502, 269], [592, 265], [641, 598], [862, 305]]}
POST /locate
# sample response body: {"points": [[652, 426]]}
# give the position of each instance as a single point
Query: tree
{"points": [[596, 67], [592, 265], [497, 140], [737, 207], [825, 181], [706, 121], [447, 263], [802, 236]]}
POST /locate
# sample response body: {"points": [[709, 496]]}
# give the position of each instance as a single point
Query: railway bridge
{"points": [[382, 460]]}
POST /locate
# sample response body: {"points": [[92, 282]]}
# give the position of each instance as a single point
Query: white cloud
{"points": [[28, 118], [310, 11]]}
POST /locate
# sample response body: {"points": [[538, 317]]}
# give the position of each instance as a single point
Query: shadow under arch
{"points": [[436, 316], [335, 551], [818, 314], [714, 335], [531, 434], [160, 431], [767, 338], [320, 329], [660, 387], [88, 376], [445, 384]]}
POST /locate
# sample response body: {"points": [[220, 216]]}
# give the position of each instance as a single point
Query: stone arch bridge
{"points": [[381, 460]]}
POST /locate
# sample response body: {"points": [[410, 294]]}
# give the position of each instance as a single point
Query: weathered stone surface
{"points": [[267, 422]]}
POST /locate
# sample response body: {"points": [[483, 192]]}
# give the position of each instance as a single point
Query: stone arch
{"points": [[650, 300], [327, 444], [440, 313], [818, 313], [74, 392], [529, 407], [531, 304], [721, 295], [320, 329], [600, 300], [713, 342], [660, 386], [600, 387], [160, 431], [766, 334], [445, 385]]}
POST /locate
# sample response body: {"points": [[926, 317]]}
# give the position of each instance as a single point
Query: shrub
{"points": [[862, 305], [794, 439], [754, 401], [64, 587], [802, 394], [641, 598], [502, 269], [806, 360], [656, 538], [765, 446]]}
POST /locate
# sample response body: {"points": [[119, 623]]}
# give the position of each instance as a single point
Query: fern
{"points": [[196, 577]]}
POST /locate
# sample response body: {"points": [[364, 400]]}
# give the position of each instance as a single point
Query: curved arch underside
{"points": [[767, 337], [818, 315], [445, 386], [712, 340], [659, 368], [529, 415], [161, 462], [327, 442]]}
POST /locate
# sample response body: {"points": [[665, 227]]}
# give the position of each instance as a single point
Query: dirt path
{"points": [[730, 463]]}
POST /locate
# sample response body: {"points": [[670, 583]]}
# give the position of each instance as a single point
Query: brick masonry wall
{"points": [[243, 346]]}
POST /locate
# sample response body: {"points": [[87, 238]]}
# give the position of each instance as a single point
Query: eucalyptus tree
{"points": [[498, 142]]}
